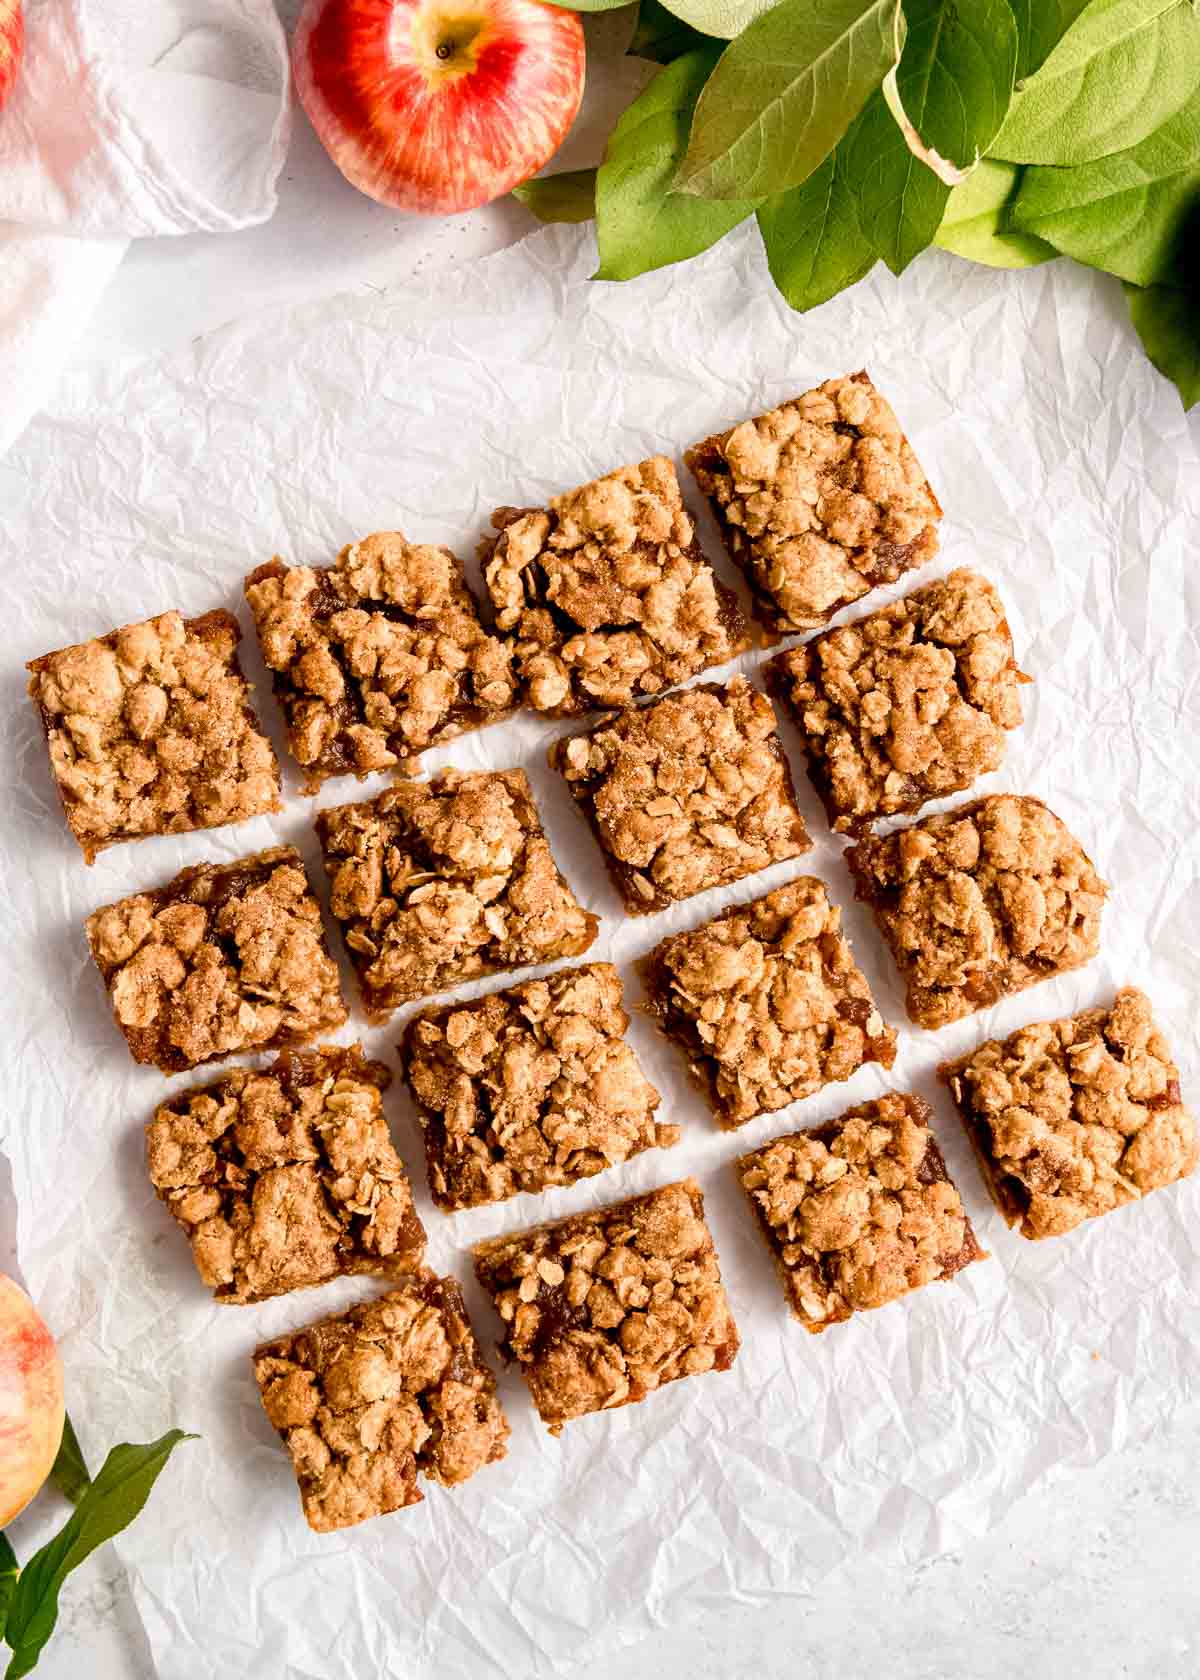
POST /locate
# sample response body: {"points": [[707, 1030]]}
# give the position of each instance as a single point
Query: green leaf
{"points": [[641, 223], [725, 18], [660, 36], [69, 1472], [1041, 25], [814, 246], [9, 1570], [955, 80], [590, 5], [1134, 214], [785, 92], [1119, 73], [109, 1505], [1168, 324], [569, 196], [976, 221]]}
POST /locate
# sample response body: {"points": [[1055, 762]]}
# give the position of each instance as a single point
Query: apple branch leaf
{"points": [[1135, 214], [641, 221], [110, 1504], [1168, 324], [954, 83], [975, 224], [569, 196], [1118, 73], [784, 93]]}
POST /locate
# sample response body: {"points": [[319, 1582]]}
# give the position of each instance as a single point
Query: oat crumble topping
{"points": [[691, 792], [364, 1400], [435, 883], [858, 1212], [226, 957], [979, 902], [819, 501], [906, 705], [602, 1308], [767, 1002], [1073, 1118], [529, 1087], [286, 1178], [150, 731], [606, 593], [378, 656]]}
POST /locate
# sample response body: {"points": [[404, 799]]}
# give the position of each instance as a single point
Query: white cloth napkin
{"points": [[130, 118]]}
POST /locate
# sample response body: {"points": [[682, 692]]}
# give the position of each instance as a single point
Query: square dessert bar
{"points": [[602, 1308], [378, 656], [439, 882], [906, 705], [819, 501], [606, 594], [364, 1400], [979, 902], [287, 1177], [224, 958], [1070, 1119], [766, 1002], [150, 731], [859, 1211], [691, 792], [529, 1087]]}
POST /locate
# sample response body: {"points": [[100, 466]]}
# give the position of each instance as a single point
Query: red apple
{"points": [[31, 1401], [438, 105], [12, 39]]}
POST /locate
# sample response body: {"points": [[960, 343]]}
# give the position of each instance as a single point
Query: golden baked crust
{"points": [[819, 501], [439, 882], [378, 656], [691, 792], [150, 731], [767, 1002], [1073, 1118], [364, 1400], [224, 958], [606, 594], [980, 901], [529, 1087], [859, 1211], [602, 1308], [287, 1177], [906, 705]]}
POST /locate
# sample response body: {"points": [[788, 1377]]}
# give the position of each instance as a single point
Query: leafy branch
{"points": [[1009, 132], [103, 1507]]}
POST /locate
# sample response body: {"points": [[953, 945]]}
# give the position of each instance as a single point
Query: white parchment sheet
{"points": [[1072, 479]]}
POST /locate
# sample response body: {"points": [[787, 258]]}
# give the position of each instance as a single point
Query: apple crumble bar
{"points": [[606, 594], [224, 958], [691, 792], [378, 656], [287, 1177], [1070, 1119], [906, 705], [602, 1308], [767, 1002], [439, 882], [150, 731], [529, 1087], [979, 902], [819, 501], [366, 1399], [859, 1211]]}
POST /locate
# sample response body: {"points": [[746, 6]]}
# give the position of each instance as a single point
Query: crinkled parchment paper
{"points": [[1072, 479]]}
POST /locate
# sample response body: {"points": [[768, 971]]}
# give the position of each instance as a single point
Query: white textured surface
{"points": [[1102, 1581]]}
